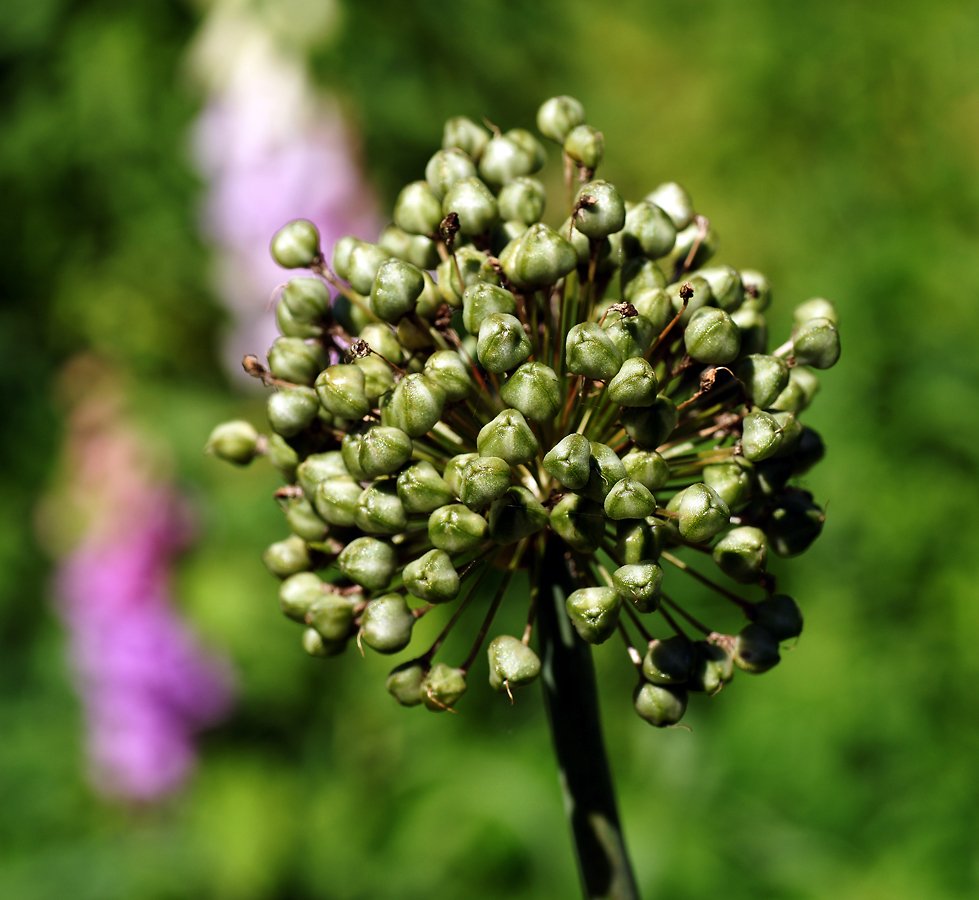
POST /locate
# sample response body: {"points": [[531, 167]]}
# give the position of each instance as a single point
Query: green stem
{"points": [[571, 698]]}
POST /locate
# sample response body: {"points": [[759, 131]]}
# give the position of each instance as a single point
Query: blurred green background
{"points": [[836, 148]]}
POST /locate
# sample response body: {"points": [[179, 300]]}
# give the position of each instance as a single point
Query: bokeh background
{"points": [[834, 146]]}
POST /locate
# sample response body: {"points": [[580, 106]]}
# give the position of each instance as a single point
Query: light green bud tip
{"points": [[383, 450], [296, 245], [292, 359], [591, 353], [742, 554], [432, 577], [594, 612], [511, 663], [660, 705], [516, 515], [629, 499], [503, 344], [533, 389], [817, 344], [316, 645], [474, 204], [456, 528], [442, 687], [605, 469], [640, 584], [557, 116], [298, 593], [447, 369], [482, 299], [422, 489], [405, 683], [712, 337], [509, 437], [635, 384], [235, 442], [648, 232], [368, 562], [568, 461], [586, 146], [378, 509], [332, 616], [522, 200], [483, 480], [579, 522], [539, 257], [417, 404], [288, 557], [386, 624], [650, 427], [764, 378], [446, 168], [761, 436], [465, 135], [396, 289], [600, 210], [417, 209], [647, 467], [675, 201], [342, 390]]}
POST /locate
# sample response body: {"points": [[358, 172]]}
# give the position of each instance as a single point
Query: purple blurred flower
{"points": [[146, 684]]}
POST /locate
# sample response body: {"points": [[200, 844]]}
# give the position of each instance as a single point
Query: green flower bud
{"points": [[660, 705], [476, 207], [647, 467], [503, 233], [516, 515], [534, 390], [413, 335], [456, 529], [447, 369], [446, 169], [817, 308], [669, 661], [396, 289], [605, 470], [430, 301], [700, 297], [629, 499], [503, 160], [332, 616], [632, 335], [539, 257], [639, 276], [794, 524], [417, 209], [731, 481], [453, 471], [522, 200], [809, 451], [591, 353], [792, 398], [350, 453], [640, 584], [779, 615], [675, 201], [687, 237], [296, 245], [298, 593], [509, 437], [432, 577], [569, 461], [307, 299], [640, 541], [655, 306], [316, 645], [405, 683], [817, 344], [757, 290], [702, 513], [557, 116], [422, 489], [368, 562], [364, 261], [386, 624], [235, 442], [726, 286], [651, 426], [303, 520], [484, 479], [635, 384], [600, 210], [417, 404], [649, 231], [465, 135], [378, 376], [526, 141], [594, 612], [579, 522], [341, 255], [341, 389], [292, 359], [336, 500], [771, 476], [609, 249], [585, 146], [712, 337], [755, 650], [282, 456], [416, 249], [290, 327], [763, 377], [481, 300], [292, 411], [474, 267], [754, 331], [383, 450], [791, 432], [503, 343], [378, 509], [713, 667], [761, 436], [511, 663], [806, 380], [288, 557], [442, 687], [742, 554]]}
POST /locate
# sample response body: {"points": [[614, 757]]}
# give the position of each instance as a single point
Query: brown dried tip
{"points": [[686, 290], [449, 227], [627, 310], [443, 318], [359, 349], [253, 367]]}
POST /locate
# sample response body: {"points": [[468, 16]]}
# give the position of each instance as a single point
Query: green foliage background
{"points": [[835, 148]]}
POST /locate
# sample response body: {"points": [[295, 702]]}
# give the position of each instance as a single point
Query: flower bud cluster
{"points": [[481, 384]]}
